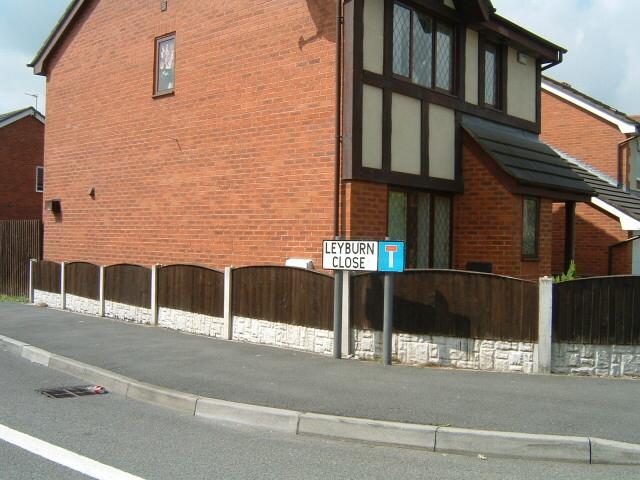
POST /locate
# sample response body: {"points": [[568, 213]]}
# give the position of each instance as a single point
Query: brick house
{"points": [[602, 145], [21, 163], [225, 133]]}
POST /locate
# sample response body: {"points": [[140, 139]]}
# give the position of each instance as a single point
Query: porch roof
{"points": [[526, 159]]}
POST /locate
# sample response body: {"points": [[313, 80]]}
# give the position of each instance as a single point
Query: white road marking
{"points": [[63, 457]]}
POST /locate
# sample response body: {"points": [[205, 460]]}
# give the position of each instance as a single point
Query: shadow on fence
{"points": [[284, 294], [82, 279], [191, 288], [128, 284], [46, 276], [450, 303], [600, 310]]}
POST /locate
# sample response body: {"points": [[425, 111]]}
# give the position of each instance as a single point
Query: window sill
{"points": [[530, 259], [166, 93]]}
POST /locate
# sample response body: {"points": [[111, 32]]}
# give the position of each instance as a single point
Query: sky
{"points": [[603, 59]]}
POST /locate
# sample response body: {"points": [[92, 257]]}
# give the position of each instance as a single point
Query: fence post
{"points": [[32, 261], [154, 294], [101, 290], [227, 326], [545, 316], [346, 314], [63, 287]]}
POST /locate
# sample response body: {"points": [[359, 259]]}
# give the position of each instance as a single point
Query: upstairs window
{"points": [[165, 64], [40, 179], [491, 75], [422, 49]]}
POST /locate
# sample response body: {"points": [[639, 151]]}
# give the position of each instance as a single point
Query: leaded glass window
{"points": [[530, 214], [422, 50], [401, 40], [397, 216], [165, 64], [444, 57], [491, 76], [441, 232], [423, 221]]}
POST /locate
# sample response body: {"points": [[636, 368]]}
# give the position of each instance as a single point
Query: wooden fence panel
{"points": [[82, 279], [20, 241], [128, 284], [191, 288], [283, 294], [450, 303], [46, 276], [600, 310]]}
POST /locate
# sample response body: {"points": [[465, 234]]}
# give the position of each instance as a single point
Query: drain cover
{"points": [[70, 392]]}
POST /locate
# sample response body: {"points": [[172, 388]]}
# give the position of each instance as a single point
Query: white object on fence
{"points": [[31, 262], [227, 326], [101, 290], [346, 316], [154, 294], [545, 315], [63, 287], [305, 263]]}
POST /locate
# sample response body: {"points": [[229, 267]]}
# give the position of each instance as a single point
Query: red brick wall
{"points": [[580, 134], [621, 259], [21, 151], [488, 222], [236, 168], [365, 210], [595, 232]]}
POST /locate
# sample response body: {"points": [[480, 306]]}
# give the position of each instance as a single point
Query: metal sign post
{"points": [[387, 326], [369, 256]]}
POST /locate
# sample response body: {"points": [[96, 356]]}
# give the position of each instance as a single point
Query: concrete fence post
{"points": [[31, 294], [545, 316], [154, 294], [101, 290], [227, 326], [346, 315], [63, 287]]}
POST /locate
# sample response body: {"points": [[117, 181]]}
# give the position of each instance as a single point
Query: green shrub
{"points": [[569, 275]]}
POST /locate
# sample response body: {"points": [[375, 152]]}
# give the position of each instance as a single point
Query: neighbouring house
{"points": [[602, 145], [222, 133], [21, 163]]}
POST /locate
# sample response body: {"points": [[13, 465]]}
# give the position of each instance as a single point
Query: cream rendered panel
{"points": [[521, 87], [442, 142], [373, 42], [405, 134], [471, 68], [371, 127]]}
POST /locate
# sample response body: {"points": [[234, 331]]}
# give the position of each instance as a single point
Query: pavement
{"points": [[465, 410]]}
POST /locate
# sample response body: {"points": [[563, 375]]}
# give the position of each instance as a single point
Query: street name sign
{"points": [[363, 255]]}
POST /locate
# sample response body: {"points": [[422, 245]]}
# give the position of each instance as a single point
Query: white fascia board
{"points": [[38, 65], [20, 116], [626, 222], [624, 127]]}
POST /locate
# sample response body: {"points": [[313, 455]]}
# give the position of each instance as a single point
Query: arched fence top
{"points": [[192, 265], [81, 262], [607, 278], [448, 271], [283, 267], [126, 265]]}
